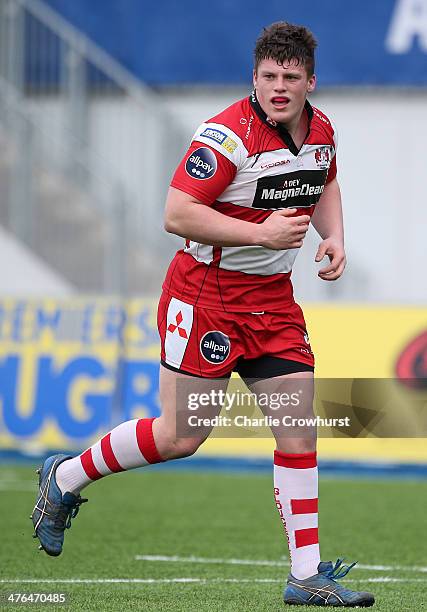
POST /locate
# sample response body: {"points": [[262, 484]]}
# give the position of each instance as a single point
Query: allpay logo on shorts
{"points": [[215, 346], [201, 164]]}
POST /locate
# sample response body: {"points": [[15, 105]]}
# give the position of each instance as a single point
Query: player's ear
{"points": [[254, 78], [311, 85]]}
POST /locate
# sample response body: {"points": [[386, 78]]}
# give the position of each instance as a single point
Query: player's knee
{"points": [[186, 448]]}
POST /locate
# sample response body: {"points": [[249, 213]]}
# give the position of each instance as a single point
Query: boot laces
{"points": [[66, 512], [338, 572]]}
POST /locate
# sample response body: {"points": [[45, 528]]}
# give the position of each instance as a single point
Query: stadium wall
{"points": [[25, 273]]}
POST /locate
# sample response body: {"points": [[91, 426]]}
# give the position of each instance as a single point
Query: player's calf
{"points": [[178, 449]]}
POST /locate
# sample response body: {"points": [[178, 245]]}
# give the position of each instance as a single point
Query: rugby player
{"points": [[252, 180]]}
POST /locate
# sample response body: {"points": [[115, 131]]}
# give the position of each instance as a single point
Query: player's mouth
{"points": [[280, 102]]}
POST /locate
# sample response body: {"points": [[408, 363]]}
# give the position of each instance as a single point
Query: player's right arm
{"points": [[209, 167], [192, 219]]}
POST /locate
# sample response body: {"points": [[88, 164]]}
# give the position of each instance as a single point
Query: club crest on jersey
{"points": [[201, 164], [322, 155], [215, 346]]}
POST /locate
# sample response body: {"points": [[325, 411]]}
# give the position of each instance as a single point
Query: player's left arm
{"points": [[327, 219]]}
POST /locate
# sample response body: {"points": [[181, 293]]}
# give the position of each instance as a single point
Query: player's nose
{"points": [[280, 85]]}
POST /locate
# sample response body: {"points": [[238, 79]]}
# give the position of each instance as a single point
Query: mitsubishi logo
{"points": [[173, 327]]}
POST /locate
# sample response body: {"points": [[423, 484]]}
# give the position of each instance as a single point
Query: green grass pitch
{"points": [[210, 517]]}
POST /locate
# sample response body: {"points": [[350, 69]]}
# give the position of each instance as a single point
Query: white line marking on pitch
{"points": [[180, 580], [192, 559], [265, 562]]}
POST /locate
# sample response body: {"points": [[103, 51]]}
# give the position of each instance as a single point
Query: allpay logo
{"points": [[215, 346], [201, 164]]}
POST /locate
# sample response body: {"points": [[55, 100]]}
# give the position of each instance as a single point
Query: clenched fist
{"points": [[282, 230]]}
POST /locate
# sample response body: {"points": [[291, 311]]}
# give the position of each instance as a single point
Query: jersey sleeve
{"points": [[332, 172], [210, 164]]}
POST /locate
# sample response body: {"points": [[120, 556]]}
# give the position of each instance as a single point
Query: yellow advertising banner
{"points": [[72, 369]]}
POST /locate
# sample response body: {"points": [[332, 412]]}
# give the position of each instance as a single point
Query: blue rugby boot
{"points": [[53, 511], [323, 590]]}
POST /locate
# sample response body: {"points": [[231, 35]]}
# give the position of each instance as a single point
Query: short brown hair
{"points": [[283, 42]]}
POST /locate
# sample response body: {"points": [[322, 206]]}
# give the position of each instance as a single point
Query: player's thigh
{"points": [[188, 404], [288, 399]]}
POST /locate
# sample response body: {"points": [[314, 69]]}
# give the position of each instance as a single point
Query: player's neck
{"points": [[298, 128]]}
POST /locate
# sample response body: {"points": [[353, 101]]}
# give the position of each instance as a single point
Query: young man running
{"points": [[243, 197]]}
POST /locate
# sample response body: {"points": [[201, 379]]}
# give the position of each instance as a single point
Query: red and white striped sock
{"points": [[296, 496], [128, 446]]}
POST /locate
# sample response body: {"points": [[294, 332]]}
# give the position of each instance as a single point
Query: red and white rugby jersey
{"points": [[244, 165]]}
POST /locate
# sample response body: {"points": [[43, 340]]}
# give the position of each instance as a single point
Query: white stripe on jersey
{"points": [[178, 329], [223, 140], [257, 260], [200, 252]]}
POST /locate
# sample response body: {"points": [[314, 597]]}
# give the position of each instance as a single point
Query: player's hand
{"points": [[334, 249], [282, 230]]}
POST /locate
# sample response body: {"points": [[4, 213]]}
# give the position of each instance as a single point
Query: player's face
{"points": [[282, 90]]}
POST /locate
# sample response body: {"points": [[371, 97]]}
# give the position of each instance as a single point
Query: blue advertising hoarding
{"points": [[381, 42]]}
